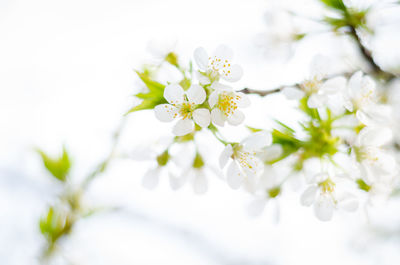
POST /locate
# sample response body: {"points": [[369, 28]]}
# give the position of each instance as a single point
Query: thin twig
{"points": [[261, 93], [103, 165], [377, 70]]}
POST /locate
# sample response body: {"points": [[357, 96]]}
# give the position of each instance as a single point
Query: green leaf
{"points": [[252, 129], [153, 97], [335, 4], [58, 167]]}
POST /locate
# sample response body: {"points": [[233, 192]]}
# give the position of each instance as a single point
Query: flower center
{"points": [[311, 86], [186, 110], [363, 100], [217, 64], [327, 186], [227, 103], [246, 160]]}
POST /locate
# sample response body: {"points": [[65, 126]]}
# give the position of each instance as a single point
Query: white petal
{"points": [[223, 52], [203, 79], [183, 127], [236, 118], [176, 182], [348, 202], [234, 176], [202, 117], [174, 94], [151, 178], [256, 207], [271, 153], [320, 66], [315, 101], [221, 87], [243, 100], [323, 208], [165, 112], [367, 85], [354, 85], [213, 98], [225, 155], [257, 140], [308, 196], [196, 94], [375, 136], [200, 183], [334, 85], [293, 93], [233, 73], [217, 117], [201, 58]]}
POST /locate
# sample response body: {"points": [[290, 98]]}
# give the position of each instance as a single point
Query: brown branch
{"points": [[377, 70], [261, 93]]}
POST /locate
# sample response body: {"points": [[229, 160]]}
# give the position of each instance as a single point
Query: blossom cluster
{"points": [[342, 159]]}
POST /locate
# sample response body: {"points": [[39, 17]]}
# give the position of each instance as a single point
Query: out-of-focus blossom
{"points": [[245, 163], [280, 37], [323, 196]]}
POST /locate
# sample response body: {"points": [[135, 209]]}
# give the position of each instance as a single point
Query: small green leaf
{"points": [[252, 129], [153, 97], [335, 4], [58, 167]]}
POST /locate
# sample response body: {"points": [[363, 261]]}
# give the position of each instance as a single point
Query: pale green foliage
{"points": [[153, 97], [58, 167]]}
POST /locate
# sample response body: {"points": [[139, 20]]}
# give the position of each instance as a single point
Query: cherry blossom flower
{"points": [[320, 92], [372, 160], [225, 104], [323, 196], [279, 39], [217, 66], [266, 187], [245, 163], [184, 105], [360, 97]]}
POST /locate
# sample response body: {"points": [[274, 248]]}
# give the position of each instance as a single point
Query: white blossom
{"points": [[264, 188], [372, 159], [325, 199], [278, 40], [321, 92], [245, 163], [185, 106], [225, 104], [217, 66]]}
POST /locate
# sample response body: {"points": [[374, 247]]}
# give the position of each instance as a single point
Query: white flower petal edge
{"points": [[174, 94], [234, 176], [151, 178], [200, 183], [218, 117], [202, 117], [183, 127], [196, 94], [225, 155], [256, 207], [165, 112], [201, 58]]}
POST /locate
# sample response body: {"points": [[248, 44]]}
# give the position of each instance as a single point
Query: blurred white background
{"points": [[66, 77]]}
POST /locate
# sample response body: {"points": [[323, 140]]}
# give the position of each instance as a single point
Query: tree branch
{"points": [[261, 93], [377, 70]]}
